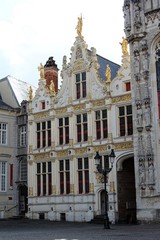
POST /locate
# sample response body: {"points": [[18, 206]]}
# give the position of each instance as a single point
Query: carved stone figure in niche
{"points": [[136, 49], [144, 45], [124, 44], [147, 116], [79, 26], [142, 175], [146, 95], [79, 53], [139, 118], [137, 13], [145, 61], [149, 147], [150, 172], [127, 22], [108, 73], [136, 64], [41, 70]]}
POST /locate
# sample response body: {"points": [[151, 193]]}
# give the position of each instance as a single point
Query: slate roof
{"points": [[4, 105], [103, 62], [19, 88]]}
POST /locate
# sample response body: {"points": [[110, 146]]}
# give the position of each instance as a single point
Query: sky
{"points": [[31, 31]]}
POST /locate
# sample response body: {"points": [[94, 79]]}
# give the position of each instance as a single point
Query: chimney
{"points": [[51, 73]]}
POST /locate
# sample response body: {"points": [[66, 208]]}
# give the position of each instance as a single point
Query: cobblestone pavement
{"points": [[47, 230]]}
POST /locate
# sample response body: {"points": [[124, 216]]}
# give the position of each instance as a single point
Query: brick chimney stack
{"points": [[51, 73]]}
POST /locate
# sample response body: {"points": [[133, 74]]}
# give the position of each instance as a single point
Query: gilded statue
{"points": [[79, 26], [30, 93], [52, 88], [108, 73], [41, 70], [124, 44]]}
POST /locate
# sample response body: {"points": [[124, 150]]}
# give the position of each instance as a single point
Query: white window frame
{"points": [[3, 176], [3, 133], [23, 135]]}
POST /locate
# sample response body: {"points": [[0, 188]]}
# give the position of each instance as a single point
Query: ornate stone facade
{"points": [[142, 32]]}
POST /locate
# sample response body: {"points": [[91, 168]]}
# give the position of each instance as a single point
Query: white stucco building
{"points": [[91, 112]]}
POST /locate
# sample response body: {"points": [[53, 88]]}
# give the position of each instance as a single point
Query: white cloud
{"points": [[38, 29]]}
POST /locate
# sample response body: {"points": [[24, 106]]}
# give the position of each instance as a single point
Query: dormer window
{"points": [[81, 85], [43, 105]]}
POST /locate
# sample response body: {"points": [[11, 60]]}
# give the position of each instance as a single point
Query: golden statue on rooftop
{"points": [[124, 45], [79, 26], [108, 73], [41, 70], [52, 88]]}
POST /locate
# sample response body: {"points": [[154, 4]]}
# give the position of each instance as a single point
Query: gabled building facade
{"points": [[91, 112], [142, 32], [13, 147]]}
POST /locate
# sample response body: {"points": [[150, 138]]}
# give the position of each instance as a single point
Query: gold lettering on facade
{"points": [[124, 98], [80, 151], [99, 103], [79, 107], [41, 156], [61, 110], [41, 115], [123, 145], [62, 153]]}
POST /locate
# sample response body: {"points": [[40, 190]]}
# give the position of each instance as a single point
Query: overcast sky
{"points": [[33, 30]]}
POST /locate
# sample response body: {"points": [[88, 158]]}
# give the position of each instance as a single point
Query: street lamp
{"points": [[105, 171]]}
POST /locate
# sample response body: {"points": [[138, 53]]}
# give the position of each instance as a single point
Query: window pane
{"points": [[122, 126], [121, 111], [104, 113], [67, 164], [43, 125], [85, 117], [38, 126], [38, 168], [129, 109], [60, 122], [86, 163], [78, 77], [67, 121], [44, 167], [61, 167], [97, 115], [79, 163], [49, 166], [78, 118], [49, 124], [83, 76]]}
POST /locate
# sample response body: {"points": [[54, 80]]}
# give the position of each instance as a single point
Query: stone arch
{"points": [[154, 50], [23, 198], [126, 191]]}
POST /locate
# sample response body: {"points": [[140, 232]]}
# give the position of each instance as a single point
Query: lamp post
{"points": [[105, 171]]}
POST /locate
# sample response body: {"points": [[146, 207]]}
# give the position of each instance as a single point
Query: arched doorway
{"points": [[126, 192], [23, 200], [103, 202]]}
